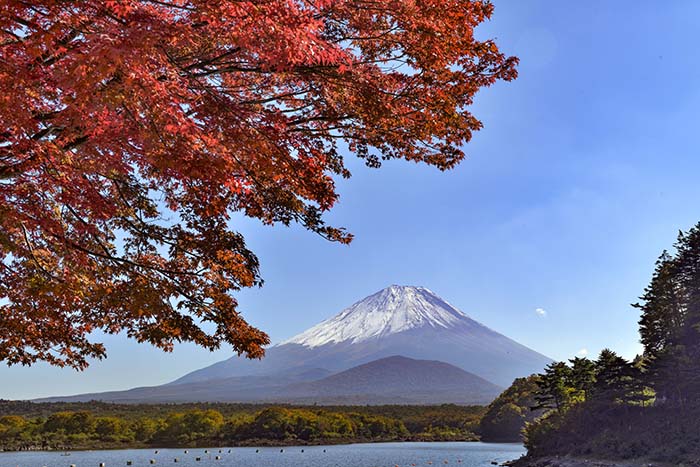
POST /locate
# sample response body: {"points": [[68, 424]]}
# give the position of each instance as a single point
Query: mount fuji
{"points": [[399, 320], [411, 322]]}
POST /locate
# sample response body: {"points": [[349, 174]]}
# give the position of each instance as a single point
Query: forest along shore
{"points": [[96, 425]]}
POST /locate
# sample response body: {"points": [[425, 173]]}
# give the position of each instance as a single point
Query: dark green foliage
{"points": [[582, 377], [113, 429], [670, 322], [507, 415], [71, 423], [589, 430], [554, 389], [430, 421], [97, 425], [606, 387], [189, 427], [648, 408], [662, 308], [614, 378]]}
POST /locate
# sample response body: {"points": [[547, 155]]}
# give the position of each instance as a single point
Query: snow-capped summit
{"points": [[402, 340], [391, 310], [412, 322]]}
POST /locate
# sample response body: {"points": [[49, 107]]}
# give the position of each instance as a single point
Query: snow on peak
{"points": [[391, 310]]}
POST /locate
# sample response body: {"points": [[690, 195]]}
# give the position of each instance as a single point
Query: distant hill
{"points": [[397, 380], [235, 389], [412, 322], [392, 380], [398, 320]]}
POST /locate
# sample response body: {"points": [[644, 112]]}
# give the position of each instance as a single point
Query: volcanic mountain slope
{"points": [[398, 320], [411, 322], [395, 380], [234, 389], [391, 380]]}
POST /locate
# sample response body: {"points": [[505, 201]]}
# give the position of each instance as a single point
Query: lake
{"points": [[353, 455]]}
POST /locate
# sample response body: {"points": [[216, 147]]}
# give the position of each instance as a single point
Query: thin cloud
{"points": [[582, 353], [541, 312]]}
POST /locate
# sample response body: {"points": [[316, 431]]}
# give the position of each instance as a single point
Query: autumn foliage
{"points": [[131, 130]]}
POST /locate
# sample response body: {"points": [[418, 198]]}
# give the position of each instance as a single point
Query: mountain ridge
{"points": [[397, 378], [407, 321], [388, 311], [447, 335], [390, 380]]}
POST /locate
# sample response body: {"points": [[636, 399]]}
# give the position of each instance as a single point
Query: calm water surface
{"points": [[354, 455]]}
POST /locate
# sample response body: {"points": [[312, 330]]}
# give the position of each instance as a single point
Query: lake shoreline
{"points": [[556, 461], [254, 443], [464, 454]]}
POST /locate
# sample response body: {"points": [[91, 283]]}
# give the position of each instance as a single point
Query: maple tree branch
{"points": [[171, 5], [202, 118], [209, 61], [36, 261]]}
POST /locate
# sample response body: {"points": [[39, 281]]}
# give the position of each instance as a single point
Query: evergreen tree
{"points": [[688, 270], [583, 376], [507, 415], [670, 322], [688, 247], [639, 392], [662, 307], [614, 377], [554, 391]]}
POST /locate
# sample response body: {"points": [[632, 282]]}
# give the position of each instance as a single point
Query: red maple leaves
{"points": [[130, 130]]}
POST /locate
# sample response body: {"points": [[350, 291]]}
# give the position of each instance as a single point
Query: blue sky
{"points": [[586, 169]]}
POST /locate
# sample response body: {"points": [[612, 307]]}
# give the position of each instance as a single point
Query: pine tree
{"points": [[662, 307], [554, 391], [614, 376], [688, 247], [583, 376], [670, 322], [639, 392]]}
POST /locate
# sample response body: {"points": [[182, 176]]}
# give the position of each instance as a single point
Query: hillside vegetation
{"points": [[648, 408], [506, 416], [25, 425]]}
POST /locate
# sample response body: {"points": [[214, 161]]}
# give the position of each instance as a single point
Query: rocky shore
{"points": [[579, 462]]}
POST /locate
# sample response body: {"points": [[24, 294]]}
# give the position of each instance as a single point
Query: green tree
{"points": [[507, 415], [662, 308], [614, 377], [554, 391], [272, 423], [190, 426], [670, 322], [145, 428], [112, 429], [583, 376], [203, 423], [11, 429], [71, 423]]}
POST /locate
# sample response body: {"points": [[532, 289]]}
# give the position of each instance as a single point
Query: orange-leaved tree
{"points": [[131, 130]]}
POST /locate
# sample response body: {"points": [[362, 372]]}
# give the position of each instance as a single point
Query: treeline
{"points": [[506, 416], [109, 426], [646, 408]]}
